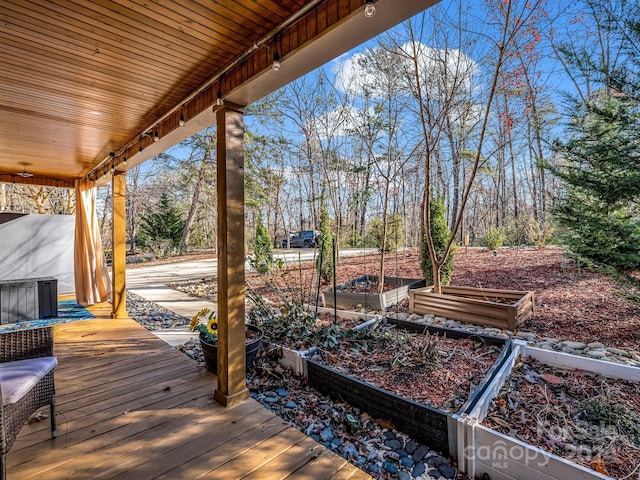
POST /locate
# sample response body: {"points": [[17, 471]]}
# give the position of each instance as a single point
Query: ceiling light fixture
{"points": [[25, 174], [276, 55], [219, 100], [139, 149], [369, 9], [181, 122], [156, 135]]}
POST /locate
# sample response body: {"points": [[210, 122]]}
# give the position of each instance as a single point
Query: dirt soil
{"points": [[571, 302]]}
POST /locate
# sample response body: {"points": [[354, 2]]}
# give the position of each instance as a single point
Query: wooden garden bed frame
{"points": [[481, 306]]}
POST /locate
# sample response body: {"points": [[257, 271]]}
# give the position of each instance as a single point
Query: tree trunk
{"points": [[194, 200]]}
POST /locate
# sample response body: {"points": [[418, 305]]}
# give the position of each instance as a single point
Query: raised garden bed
{"points": [[362, 292], [550, 414], [292, 349], [505, 309], [433, 424]]}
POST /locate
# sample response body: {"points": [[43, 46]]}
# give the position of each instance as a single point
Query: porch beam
{"points": [[232, 386], [119, 253]]}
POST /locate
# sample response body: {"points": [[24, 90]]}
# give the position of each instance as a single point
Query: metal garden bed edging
{"points": [[429, 425], [483, 450], [371, 301]]}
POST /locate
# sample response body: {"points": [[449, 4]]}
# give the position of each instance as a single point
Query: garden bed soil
{"points": [[434, 426], [581, 416], [427, 368]]}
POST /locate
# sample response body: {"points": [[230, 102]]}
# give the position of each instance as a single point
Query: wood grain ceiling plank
{"points": [[281, 8], [138, 20], [64, 62], [120, 45], [211, 23], [139, 86], [96, 101], [92, 89]]}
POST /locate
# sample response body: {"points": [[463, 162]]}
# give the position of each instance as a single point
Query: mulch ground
{"points": [[571, 302], [437, 371], [587, 418]]}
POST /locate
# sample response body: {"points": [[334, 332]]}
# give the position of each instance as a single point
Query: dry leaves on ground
{"points": [[587, 418], [437, 371]]}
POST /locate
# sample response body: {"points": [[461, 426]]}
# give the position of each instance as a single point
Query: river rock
{"points": [[447, 470], [420, 453], [597, 354], [617, 351]]}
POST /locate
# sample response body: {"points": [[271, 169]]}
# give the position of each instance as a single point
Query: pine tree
{"points": [[601, 170], [599, 162], [440, 234], [262, 259], [326, 262], [161, 227]]}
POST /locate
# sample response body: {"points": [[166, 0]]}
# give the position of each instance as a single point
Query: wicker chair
{"points": [[26, 382]]}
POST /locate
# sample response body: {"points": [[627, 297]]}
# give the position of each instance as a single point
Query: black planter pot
{"points": [[210, 350]]}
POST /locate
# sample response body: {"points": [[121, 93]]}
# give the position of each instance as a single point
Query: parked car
{"points": [[304, 239], [285, 241]]}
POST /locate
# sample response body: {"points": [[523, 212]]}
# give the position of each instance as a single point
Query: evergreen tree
{"points": [[262, 259], [395, 237], [161, 227], [600, 160], [326, 263], [440, 234], [601, 169]]}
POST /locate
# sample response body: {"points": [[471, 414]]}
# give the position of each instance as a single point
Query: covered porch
{"points": [[130, 406], [94, 89]]}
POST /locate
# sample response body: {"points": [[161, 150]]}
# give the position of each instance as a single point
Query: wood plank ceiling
{"points": [[81, 79]]}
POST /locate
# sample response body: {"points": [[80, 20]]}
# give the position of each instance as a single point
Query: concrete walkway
{"points": [[151, 283]]}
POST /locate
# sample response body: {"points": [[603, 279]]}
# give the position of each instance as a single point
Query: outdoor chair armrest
{"points": [[24, 344]]}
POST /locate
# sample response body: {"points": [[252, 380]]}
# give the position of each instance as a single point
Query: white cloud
{"points": [[438, 67]]}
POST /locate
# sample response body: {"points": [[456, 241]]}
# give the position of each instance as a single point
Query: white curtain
{"points": [[92, 280]]}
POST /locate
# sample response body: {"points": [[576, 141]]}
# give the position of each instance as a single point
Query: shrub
{"points": [[326, 263], [394, 232], [440, 234], [262, 259], [494, 238]]}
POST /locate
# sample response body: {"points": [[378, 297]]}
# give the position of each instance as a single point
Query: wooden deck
{"points": [[131, 407]]}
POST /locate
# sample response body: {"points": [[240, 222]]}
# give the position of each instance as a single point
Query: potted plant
{"points": [[206, 322]]}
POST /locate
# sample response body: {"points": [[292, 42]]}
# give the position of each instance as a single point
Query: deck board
{"points": [[131, 407]]}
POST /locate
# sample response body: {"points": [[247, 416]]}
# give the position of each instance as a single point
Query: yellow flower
{"points": [[195, 321], [212, 326]]}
